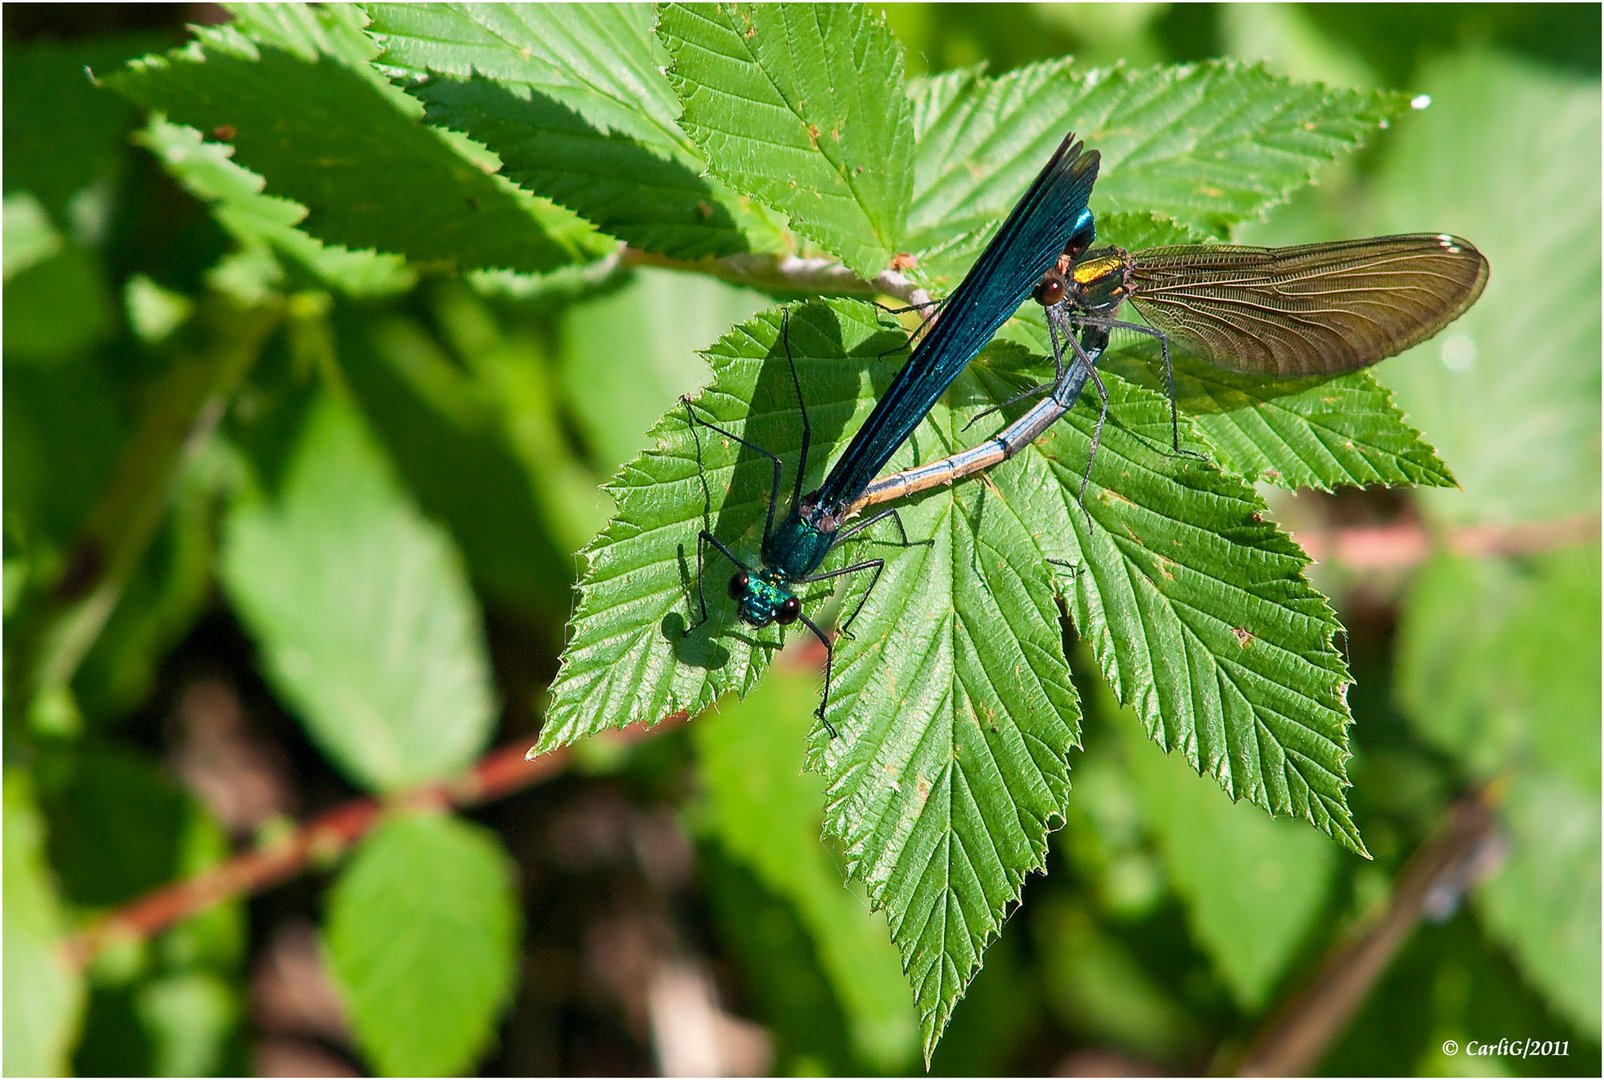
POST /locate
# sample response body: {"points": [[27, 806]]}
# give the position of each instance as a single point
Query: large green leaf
{"points": [[1514, 697], [952, 696], [1209, 145], [1518, 687], [1545, 901], [422, 940], [802, 107], [628, 658], [362, 611], [571, 97], [303, 109]]}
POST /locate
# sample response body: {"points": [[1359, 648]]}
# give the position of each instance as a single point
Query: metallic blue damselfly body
{"points": [[1051, 217]]}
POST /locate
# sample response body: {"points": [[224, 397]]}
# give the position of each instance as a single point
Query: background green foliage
{"points": [[317, 348]]}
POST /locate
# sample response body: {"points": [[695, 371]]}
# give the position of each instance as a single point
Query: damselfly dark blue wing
{"points": [[1026, 247]]}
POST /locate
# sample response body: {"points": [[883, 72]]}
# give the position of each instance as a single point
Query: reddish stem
{"points": [[499, 773]]}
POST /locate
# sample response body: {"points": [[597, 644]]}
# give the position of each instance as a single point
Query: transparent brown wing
{"points": [[1316, 309]]}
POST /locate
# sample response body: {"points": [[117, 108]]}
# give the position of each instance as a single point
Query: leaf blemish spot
{"points": [[1243, 638]]}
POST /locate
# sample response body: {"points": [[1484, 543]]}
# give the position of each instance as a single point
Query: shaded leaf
{"points": [[571, 97], [1253, 887], [322, 128]]}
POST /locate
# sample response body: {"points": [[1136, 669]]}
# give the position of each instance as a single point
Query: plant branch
{"points": [[186, 408], [791, 273], [499, 773], [1465, 849]]}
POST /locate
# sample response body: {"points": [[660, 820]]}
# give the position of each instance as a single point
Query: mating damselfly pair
{"points": [[1315, 310]]}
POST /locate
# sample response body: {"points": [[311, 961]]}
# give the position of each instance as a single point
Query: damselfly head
{"points": [[764, 597]]}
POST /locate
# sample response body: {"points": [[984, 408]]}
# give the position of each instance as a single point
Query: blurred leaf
{"points": [[59, 307], [44, 994], [119, 828], [258, 221], [1516, 684], [1451, 982], [801, 107], [422, 937], [199, 1015], [1545, 902], [1253, 887], [361, 610], [1510, 392], [1102, 990], [63, 426], [764, 812], [64, 136], [452, 437], [1209, 145], [30, 238], [161, 600], [1289, 40], [784, 985], [153, 311], [573, 100], [309, 115], [626, 354]]}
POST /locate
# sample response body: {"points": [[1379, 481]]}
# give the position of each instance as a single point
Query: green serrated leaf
{"points": [[1209, 144], [572, 99], [951, 768], [801, 106], [628, 658], [952, 696], [44, 993], [362, 611], [422, 939], [1198, 611], [324, 129]]}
